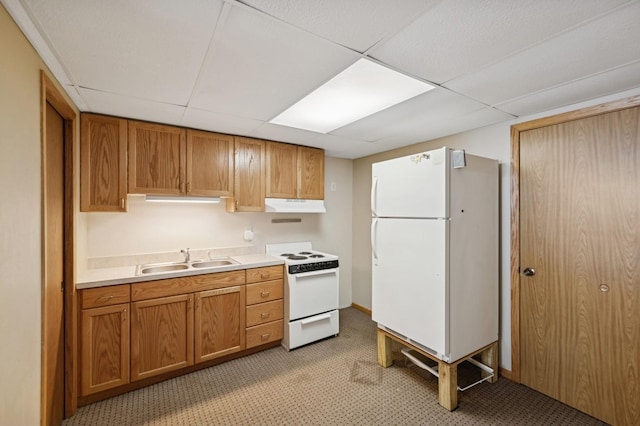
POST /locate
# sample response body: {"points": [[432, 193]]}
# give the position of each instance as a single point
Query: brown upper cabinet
{"points": [[157, 155], [249, 176], [103, 165], [282, 160], [209, 164], [294, 171], [174, 161]]}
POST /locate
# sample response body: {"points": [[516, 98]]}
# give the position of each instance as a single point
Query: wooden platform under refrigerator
{"points": [[447, 373]]}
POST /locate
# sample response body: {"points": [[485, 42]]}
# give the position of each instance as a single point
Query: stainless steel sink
{"points": [[213, 263], [151, 269], [154, 268]]}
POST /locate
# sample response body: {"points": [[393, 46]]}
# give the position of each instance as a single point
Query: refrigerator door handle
{"points": [[374, 196], [374, 239]]}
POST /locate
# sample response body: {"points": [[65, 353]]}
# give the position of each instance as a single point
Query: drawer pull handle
{"points": [[264, 315], [106, 297], [265, 336], [264, 276], [265, 293]]}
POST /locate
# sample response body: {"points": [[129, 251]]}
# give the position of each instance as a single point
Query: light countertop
{"points": [[101, 277]]}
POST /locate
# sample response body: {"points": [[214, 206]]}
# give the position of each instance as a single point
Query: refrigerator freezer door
{"points": [[412, 186], [409, 291]]}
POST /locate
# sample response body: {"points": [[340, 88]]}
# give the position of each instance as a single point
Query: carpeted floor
{"points": [[333, 382]]}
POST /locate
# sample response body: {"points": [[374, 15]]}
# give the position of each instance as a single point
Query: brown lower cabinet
{"points": [[105, 348], [219, 322], [133, 332], [161, 335]]}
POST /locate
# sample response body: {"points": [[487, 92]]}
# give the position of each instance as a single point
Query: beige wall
{"points": [[20, 221], [153, 227]]}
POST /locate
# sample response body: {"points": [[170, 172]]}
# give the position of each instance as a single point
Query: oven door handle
{"points": [[314, 273], [315, 319]]}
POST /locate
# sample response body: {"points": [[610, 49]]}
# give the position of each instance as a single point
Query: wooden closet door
{"points": [[580, 231]]}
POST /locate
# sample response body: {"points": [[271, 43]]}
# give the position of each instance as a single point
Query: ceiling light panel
{"points": [[356, 24], [360, 90], [149, 49]]}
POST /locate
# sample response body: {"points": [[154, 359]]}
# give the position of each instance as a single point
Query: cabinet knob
{"points": [[265, 293], [264, 275], [264, 315], [265, 336]]}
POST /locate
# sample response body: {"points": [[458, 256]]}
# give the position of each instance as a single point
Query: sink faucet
{"points": [[186, 254]]}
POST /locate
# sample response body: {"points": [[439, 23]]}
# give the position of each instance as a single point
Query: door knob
{"points": [[529, 272]]}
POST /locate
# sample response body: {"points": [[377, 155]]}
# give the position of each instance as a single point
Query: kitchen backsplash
{"points": [[173, 256]]}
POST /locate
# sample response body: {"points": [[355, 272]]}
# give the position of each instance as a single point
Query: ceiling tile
{"points": [[125, 106], [457, 37], [149, 49], [258, 66], [603, 44], [282, 133], [343, 147], [221, 123], [449, 126], [606, 83], [412, 117], [357, 24]]}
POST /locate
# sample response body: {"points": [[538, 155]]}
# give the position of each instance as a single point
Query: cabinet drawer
{"points": [[105, 296], [265, 333], [267, 273], [182, 285], [264, 312], [264, 292]]}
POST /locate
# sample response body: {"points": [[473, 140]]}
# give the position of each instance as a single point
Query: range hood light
{"points": [[181, 199]]}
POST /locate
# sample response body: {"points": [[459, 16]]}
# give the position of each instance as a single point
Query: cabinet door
{"points": [[219, 322], [156, 159], [249, 177], [209, 164], [161, 335], [103, 164], [310, 173], [281, 169], [105, 348]]}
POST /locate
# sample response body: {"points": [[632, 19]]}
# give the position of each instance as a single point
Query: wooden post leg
{"points": [[489, 358], [385, 358], [448, 385]]}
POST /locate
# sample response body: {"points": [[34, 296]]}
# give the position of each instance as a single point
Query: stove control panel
{"points": [[314, 266]]}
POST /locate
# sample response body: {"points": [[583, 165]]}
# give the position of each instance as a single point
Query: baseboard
{"points": [[505, 373], [361, 308]]}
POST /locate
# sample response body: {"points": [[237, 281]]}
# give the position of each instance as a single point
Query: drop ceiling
{"points": [[231, 66]]}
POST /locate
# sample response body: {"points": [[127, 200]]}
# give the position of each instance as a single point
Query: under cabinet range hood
{"points": [[290, 205]]}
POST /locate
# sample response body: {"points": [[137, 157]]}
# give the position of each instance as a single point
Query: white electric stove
{"points": [[310, 293]]}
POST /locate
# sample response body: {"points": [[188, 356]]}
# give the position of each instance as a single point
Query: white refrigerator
{"points": [[434, 238]]}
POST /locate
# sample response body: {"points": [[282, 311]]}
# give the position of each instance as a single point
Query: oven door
{"points": [[311, 293]]}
